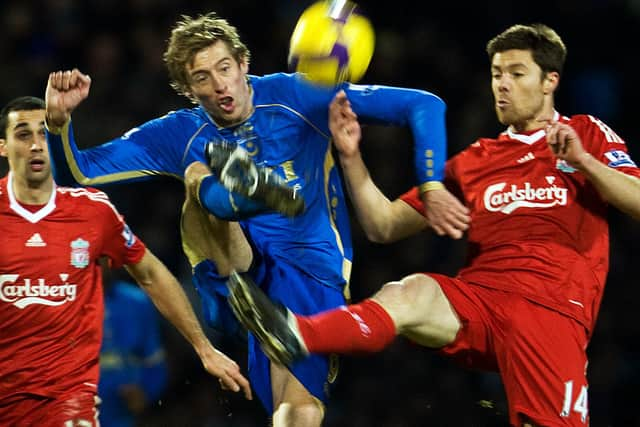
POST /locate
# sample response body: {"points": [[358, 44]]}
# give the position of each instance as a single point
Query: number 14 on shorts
{"points": [[580, 404]]}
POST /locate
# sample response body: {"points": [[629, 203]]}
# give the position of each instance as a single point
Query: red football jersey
{"points": [[538, 227], [51, 301]]}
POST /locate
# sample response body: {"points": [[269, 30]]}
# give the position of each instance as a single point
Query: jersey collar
{"points": [[32, 217], [531, 138]]}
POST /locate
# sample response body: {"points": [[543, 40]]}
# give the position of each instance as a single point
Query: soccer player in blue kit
{"points": [[280, 122]]}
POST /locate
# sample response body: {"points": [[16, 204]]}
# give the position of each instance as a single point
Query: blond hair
{"points": [[191, 35]]}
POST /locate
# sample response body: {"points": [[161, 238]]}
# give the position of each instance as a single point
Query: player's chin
{"points": [[503, 116]]}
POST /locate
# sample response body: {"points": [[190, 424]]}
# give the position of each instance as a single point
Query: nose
{"points": [[38, 143], [503, 83], [219, 84]]}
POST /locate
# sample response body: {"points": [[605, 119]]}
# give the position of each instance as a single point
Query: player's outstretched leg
{"points": [[237, 172], [271, 323]]}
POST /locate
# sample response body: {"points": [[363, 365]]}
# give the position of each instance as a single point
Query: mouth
{"points": [[37, 165], [226, 104], [502, 103]]}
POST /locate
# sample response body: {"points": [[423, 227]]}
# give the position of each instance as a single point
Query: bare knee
{"points": [[420, 310], [293, 404], [293, 414], [193, 176]]}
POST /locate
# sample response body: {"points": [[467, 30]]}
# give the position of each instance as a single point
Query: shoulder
{"points": [[593, 128], [275, 87], [86, 198], [185, 119], [281, 87], [479, 147], [273, 79], [583, 121]]}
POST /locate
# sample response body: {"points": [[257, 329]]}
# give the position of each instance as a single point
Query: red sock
{"points": [[357, 328]]}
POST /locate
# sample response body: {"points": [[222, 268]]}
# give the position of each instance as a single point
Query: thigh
{"points": [[543, 365], [477, 309], [206, 237]]}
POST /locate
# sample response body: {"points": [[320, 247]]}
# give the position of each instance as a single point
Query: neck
{"points": [[30, 192], [540, 120]]}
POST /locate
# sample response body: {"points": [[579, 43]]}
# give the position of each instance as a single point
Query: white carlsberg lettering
{"points": [[34, 292], [499, 199]]}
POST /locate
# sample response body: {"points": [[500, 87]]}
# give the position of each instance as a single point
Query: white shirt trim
{"points": [[32, 217], [534, 137]]}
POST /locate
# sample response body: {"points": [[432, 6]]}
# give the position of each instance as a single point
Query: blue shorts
{"points": [[290, 286]]}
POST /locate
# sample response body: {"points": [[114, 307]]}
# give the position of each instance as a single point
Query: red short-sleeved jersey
{"points": [[538, 227], [51, 303]]}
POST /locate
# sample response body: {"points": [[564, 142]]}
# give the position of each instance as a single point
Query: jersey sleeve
{"points": [[412, 198], [119, 244], [605, 144], [144, 151], [423, 112]]}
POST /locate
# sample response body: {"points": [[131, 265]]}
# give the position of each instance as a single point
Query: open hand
{"points": [[228, 372]]}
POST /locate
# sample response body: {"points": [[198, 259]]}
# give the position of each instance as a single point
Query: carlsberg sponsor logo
{"points": [[35, 292], [500, 198]]}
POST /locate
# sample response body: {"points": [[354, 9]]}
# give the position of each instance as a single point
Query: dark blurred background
{"points": [[437, 47]]}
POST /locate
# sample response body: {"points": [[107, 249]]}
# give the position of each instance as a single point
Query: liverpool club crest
{"points": [[79, 253]]}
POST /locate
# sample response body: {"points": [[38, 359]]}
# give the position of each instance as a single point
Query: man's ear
{"points": [[551, 82], [244, 65], [3, 147]]}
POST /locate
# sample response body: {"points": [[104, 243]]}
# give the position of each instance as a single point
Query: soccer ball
{"points": [[331, 43]]}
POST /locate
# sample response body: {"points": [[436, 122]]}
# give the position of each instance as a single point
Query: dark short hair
{"points": [[22, 103], [546, 46]]}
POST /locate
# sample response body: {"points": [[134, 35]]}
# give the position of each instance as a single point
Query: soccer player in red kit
{"points": [[526, 302], [51, 301]]}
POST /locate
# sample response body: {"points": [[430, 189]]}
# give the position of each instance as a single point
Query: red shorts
{"points": [[74, 410], [539, 353]]}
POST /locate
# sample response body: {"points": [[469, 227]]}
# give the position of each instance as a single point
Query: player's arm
{"points": [[168, 296], [133, 156], [382, 220], [424, 113], [617, 188]]}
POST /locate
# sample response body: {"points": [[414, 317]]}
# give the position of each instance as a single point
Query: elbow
{"points": [[380, 235]]}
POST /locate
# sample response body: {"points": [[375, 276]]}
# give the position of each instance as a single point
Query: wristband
{"points": [[431, 186]]}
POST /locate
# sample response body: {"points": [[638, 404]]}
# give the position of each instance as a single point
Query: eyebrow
{"points": [[21, 125], [515, 65]]}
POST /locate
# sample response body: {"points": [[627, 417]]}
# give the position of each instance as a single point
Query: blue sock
{"points": [[225, 204]]}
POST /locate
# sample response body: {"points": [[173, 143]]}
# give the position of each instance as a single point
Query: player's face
{"points": [[26, 148], [522, 96], [219, 83]]}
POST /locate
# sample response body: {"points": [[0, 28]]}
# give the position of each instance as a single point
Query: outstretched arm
{"points": [[382, 220], [617, 188], [424, 113], [145, 151], [170, 299]]}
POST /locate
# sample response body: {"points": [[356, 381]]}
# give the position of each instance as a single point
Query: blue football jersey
{"points": [[288, 132]]}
